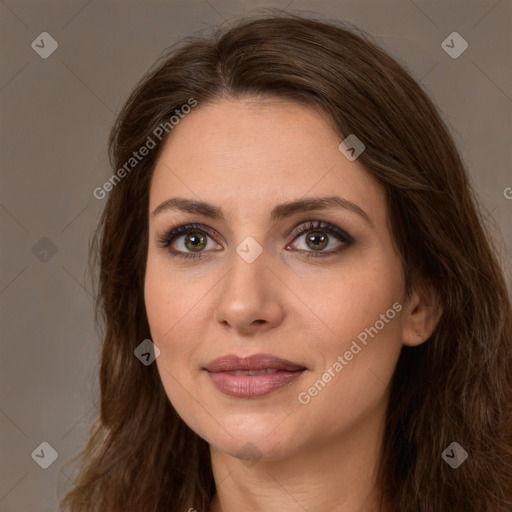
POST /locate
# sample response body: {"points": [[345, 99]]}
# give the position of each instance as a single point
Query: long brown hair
{"points": [[457, 386]]}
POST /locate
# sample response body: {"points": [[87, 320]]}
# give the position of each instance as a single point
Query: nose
{"points": [[250, 297]]}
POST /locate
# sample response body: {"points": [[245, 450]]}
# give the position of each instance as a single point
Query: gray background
{"points": [[56, 114]]}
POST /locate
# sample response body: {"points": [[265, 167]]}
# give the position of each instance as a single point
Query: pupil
{"points": [[195, 241], [319, 240]]}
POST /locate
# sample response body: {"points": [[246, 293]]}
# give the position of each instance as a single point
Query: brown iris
{"points": [[317, 240], [195, 241]]}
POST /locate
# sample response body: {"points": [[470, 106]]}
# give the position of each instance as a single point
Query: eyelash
{"points": [[168, 237]]}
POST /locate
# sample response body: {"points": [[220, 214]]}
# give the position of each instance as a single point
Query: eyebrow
{"points": [[279, 212]]}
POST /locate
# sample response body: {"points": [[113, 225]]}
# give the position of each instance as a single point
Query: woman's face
{"points": [[255, 279]]}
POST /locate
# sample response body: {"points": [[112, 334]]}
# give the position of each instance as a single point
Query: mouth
{"points": [[254, 376]]}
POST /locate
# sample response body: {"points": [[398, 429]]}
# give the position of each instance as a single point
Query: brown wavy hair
{"points": [[457, 386]]}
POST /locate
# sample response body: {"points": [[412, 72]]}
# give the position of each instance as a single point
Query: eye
{"points": [[319, 237], [192, 241], [188, 241]]}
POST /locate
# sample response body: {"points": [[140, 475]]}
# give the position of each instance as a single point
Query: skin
{"points": [[246, 156]]}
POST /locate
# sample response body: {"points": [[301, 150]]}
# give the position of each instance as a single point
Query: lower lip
{"points": [[252, 386]]}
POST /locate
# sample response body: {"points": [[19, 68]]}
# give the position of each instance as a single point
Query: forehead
{"points": [[248, 155]]}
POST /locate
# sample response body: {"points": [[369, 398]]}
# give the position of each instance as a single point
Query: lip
{"points": [[236, 377], [231, 363]]}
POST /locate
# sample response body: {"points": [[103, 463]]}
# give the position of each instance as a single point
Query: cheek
{"points": [[354, 382], [169, 299], [363, 312], [173, 332], [166, 309], [357, 297], [176, 306]]}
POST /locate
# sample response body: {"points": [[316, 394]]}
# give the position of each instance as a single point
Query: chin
{"points": [[252, 449], [255, 437]]}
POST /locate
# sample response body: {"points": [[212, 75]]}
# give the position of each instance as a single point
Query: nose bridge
{"points": [[248, 276], [248, 293]]}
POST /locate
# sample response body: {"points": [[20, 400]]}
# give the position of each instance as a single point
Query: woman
{"points": [[302, 308]]}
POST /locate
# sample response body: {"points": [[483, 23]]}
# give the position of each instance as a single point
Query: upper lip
{"points": [[256, 362]]}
